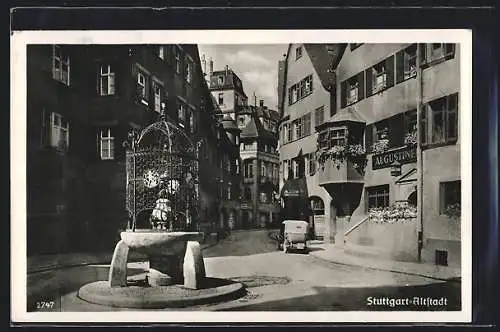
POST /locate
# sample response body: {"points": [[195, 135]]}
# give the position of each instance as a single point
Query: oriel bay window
{"points": [[377, 197], [440, 121], [106, 80]]}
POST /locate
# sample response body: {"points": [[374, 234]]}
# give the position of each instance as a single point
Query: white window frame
{"points": [[181, 113], [142, 85], [59, 134], [352, 92], [59, 61], [161, 52], [379, 77], [109, 88], [157, 96], [105, 137], [189, 70]]}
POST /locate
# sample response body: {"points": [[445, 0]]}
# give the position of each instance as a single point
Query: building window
{"points": [[181, 113], [60, 65], [306, 125], [263, 197], [312, 163], [332, 137], [161, 52], [188, 70], [237, 162], [241, 120], [298, 52], [220, 99], [178, 64], [409, 65], [220, 80], [450, 195], [300, 90], [352, 92], [437, 51], [263, 169], [192, 122], [377, 196], [296, 168], [248, 169], [229, 191], [285, 170], [157, 94], [317, 206], [441, 120], [379, 77], [247, 193], [141, 87], [106, 81], [297, 124], [319, 115], [289, 132], [59, 132], [107, 144]]}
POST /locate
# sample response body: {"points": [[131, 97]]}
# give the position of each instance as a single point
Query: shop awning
{"points": [[295, 188]]}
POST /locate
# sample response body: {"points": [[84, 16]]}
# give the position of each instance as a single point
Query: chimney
{"points": [[261, 103], [210, 67], [203, 64]]}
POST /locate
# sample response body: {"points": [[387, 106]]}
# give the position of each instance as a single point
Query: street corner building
{"points": [[82, 103], [369, 147]]}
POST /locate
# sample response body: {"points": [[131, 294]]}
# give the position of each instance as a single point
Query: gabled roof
{"points": [[347, 114], [325, 58], [228, 123], [254, 128], [231, 81]]}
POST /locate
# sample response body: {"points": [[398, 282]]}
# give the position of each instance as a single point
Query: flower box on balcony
{"points": [[341, 164]]}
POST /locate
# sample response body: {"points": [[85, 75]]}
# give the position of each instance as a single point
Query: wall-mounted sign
{"points": [[403, 156], [291, 193]]}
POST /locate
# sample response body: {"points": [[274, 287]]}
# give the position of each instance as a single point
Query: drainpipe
{"points": [[420, 164]]}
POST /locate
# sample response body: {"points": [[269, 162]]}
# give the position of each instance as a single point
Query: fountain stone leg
{"points": [[118, 268]]}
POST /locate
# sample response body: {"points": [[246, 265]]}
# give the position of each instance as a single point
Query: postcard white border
{"points": [[19, 41]]}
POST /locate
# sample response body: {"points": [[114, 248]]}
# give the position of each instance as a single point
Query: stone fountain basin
{"points": [[153, 242]]}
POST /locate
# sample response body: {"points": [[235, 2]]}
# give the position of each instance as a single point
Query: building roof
{"points": [[347, 114], [325, 59], [228, 123], [254, 128], [231, 81]]}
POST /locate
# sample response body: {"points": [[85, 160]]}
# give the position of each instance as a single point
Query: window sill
{"points": [[436, 61], [438, 144]]}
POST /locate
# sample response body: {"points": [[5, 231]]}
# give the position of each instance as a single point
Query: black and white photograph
{"points": [[181, 176]]}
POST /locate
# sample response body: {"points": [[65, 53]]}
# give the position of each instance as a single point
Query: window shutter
{"points": [[361, 85], [369, 81], [400, 66], [422, 50], [389, 67], [396, 130], [368, 138], [343, 94]]}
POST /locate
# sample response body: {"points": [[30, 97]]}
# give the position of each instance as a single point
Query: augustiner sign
{"points": [[403, 156]]}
